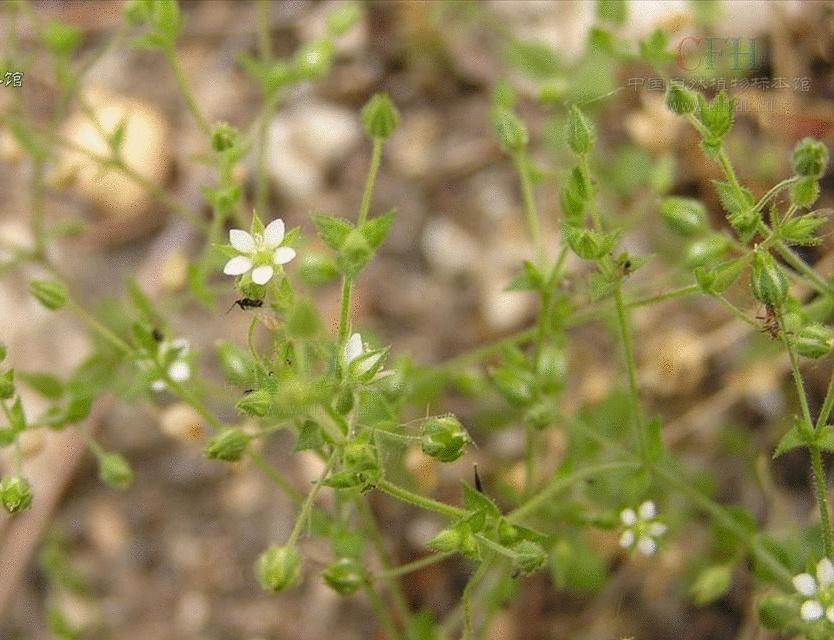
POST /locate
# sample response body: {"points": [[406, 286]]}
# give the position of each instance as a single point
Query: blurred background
{"points": [[171, 557]]}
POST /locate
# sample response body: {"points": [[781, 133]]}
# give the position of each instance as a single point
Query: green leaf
{"points": [[799, 435], [46, 384], [739, 204], [530, 280], [535, 59], [825, 438], [474, 500], [334, 231], [802, 231], [309, 437], [805, 192], [376, 229], [140, 300]]}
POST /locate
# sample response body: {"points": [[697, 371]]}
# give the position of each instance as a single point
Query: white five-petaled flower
{"points": [[641, 528], [178, 370], [259, 252], [819, 591]]}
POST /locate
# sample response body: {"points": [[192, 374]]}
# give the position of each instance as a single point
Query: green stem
{"points": [[562, 483], [531, 215], [98, 327], [382, 612], [721, 515], [468, 628], [415, 499], [827, 405], [818, 471], [774, 190], [416, 565], [344, 311], [663, 297], [307, 507], [276, 477], [367, 194], [631, 367], [182, 82]]}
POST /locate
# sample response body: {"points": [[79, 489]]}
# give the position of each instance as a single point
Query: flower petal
{"points": [[159, 385], [237, 266], [179, 371], [283, 255], [628, 517], [182, 344], [805, 584], [810, 610], [657, 529], [647, 510], [825, 572], [242, 240], [627, 539], [274, 233], [262, 275], [353, 348], [646, 545]]}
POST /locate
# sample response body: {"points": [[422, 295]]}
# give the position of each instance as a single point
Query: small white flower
{"points": [[819, 591], [641, 530], [179, 370], [353, 349], [258, 253]]}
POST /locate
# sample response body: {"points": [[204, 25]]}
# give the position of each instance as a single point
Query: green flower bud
{"points": [[580, 132], [444, 439], [360, 456], [7, 384], [511, 132], [345, 577], [380, 117], [810, 158], [138, 12], [805, 193], [540, 415], [223, 136], [446, 541], [707, 250], [552, 368], [814, 341], [229, 445], [61, 38], [681, 100], [343, 17], [279, 568], [255, 403], [776, 612], [15, 494], [355, 253], [529, 556], [50, 293], [114, 470], [587, 243], [768, 281], [314, 60], [684, 215]]}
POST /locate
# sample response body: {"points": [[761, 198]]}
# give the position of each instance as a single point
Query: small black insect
{"points": [[247, 303], [157, 335]]}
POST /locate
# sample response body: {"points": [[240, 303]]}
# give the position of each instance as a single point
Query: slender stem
{"points": [[817, 281], [185, 89], [774, 190], [415, 499], [367, 194], [307, 507], [663, 297], [481, 571], [264, 24], [382, 613], [344, 312], [531, 215], [416, 565], [827, 405], [562, 483], [818, 471], [372, 528], [98, 327], [276, 477], [631, 367], [721, 515]]}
